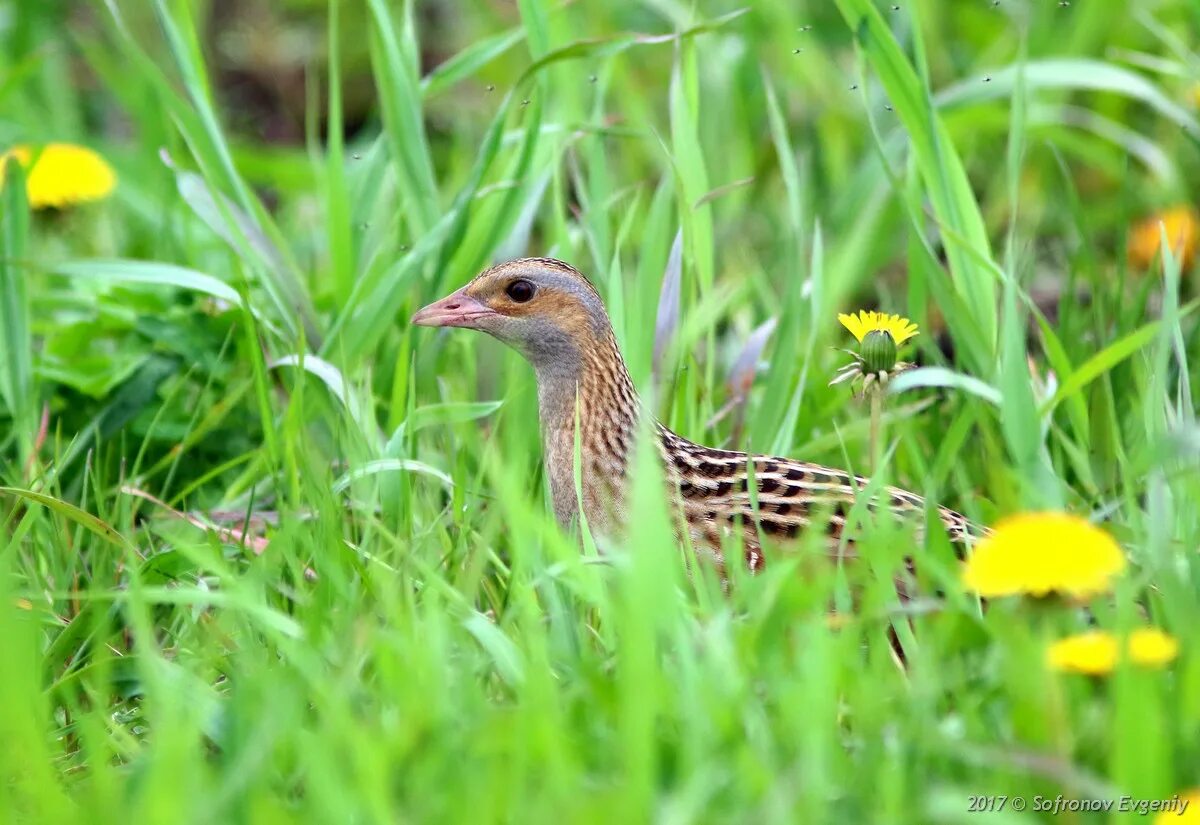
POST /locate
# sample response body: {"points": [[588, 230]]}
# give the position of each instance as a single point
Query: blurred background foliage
{"points": [[296, 177], [102, 75]]}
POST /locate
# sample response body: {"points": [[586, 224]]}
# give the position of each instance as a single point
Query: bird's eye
{"points": [[520, 291]]}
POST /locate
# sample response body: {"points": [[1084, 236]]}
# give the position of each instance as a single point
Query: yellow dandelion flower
{"points": [[1182, 229], [1151, 646], [1040, 553], [1097, 652], [62, 174], [901, 329], [1185, 811], [879, 336], [1094, 652]]}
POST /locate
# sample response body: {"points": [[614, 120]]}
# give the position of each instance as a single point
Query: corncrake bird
{"points": [[550, 313]]}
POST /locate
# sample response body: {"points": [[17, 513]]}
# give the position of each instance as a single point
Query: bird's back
{"points": [[715, 496]]}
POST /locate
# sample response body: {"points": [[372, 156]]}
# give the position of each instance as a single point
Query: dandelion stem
{"points": [[876, 426]]}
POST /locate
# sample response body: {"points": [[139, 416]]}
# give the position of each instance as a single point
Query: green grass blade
{"points": [[1066, 75], [400, 104], [470, 60], [16, 367], [337, 199], [1104, 360], [942, 170]]}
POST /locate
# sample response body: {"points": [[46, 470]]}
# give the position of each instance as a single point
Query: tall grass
{"points": [[281, 557]]}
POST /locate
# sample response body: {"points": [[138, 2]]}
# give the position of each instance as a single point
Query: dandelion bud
{"points": [[878, 352], [879, 337]]}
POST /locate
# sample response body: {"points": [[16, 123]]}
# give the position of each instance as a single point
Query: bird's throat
{"points": [[587, 395]]}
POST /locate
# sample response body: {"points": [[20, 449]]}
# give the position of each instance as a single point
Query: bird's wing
{"points": [[714, 491]]}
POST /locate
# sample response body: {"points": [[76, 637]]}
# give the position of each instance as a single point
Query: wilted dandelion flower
{"points": [[1097, 652], [1040, 553], [62, 174], [1182, 230], [879, 337]]}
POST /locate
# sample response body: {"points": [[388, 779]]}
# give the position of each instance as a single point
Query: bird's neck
{"points": [[590, 386]]}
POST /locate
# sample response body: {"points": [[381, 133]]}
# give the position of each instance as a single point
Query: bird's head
{"points": [[545, 309]]}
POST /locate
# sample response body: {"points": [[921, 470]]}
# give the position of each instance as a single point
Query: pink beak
{"points": [[455, 310]]}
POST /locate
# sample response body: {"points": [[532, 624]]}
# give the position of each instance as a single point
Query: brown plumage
{"points": [[549, 312]]}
